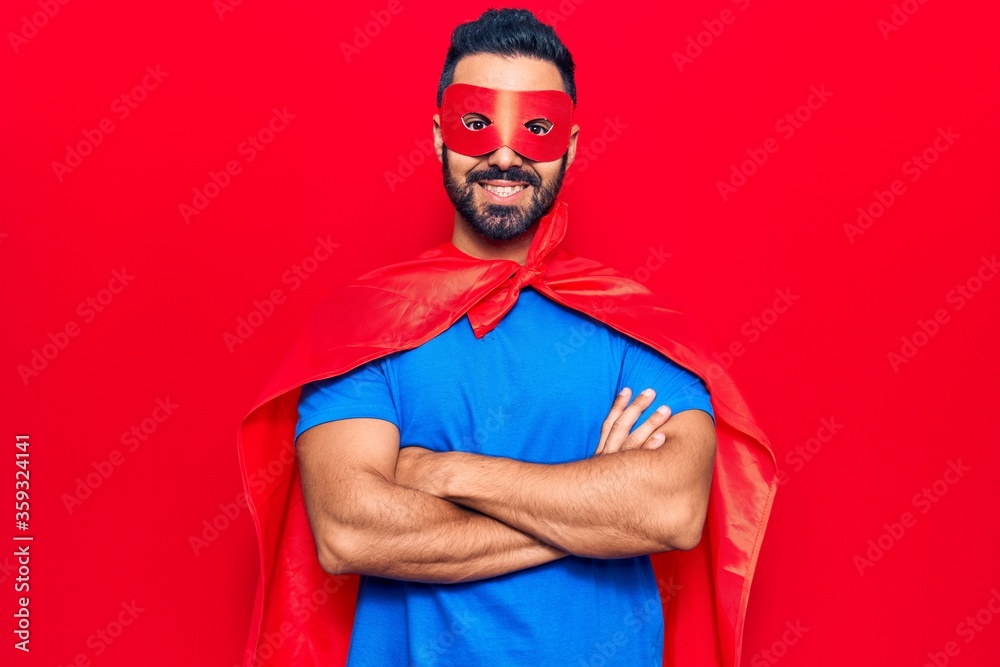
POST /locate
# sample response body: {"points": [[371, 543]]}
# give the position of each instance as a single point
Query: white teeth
{"points": [[505, 191]]}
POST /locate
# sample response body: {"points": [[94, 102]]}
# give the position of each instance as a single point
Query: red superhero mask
{"points": [[507, 120]]}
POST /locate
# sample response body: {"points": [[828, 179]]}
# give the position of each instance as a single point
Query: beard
{"points": [[501, 222]]}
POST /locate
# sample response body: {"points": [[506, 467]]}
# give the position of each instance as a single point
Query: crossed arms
{"points": [[448, 517]]}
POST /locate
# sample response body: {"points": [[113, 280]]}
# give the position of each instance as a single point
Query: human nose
{"points": [[504, 158]]}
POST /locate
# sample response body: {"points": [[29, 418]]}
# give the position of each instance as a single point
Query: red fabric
{"points": [[303, 616], [508, 111]]}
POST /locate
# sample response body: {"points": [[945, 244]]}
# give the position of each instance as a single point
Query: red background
{"points": [[655, 183]]}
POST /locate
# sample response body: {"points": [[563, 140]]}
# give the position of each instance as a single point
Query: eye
{"points": [[475, 122], [539, 126]]}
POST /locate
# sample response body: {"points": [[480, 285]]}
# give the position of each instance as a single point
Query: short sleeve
{"points": [[361, 392], [674, 385]]}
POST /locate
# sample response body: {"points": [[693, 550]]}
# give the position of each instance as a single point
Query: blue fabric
{"points": [[536, 388]]}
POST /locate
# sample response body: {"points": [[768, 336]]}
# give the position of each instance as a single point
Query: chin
{"points": [[503, 230]]}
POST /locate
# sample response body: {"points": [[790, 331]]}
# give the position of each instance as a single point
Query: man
{"points": [[467, 468]]}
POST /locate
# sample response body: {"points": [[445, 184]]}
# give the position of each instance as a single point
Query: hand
{"points": [[615, 434], [416, 468]]}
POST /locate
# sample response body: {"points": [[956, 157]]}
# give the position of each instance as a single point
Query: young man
{"points": [[463, 460]]}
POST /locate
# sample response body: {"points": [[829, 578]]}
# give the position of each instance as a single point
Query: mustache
{"points": [[512, 174]]}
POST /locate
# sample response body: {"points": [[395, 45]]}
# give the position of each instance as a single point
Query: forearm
{"points": [[402, 533], [602, 507]]}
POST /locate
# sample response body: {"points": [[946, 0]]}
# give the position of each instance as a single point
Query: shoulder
{"points": [[565, 263]]}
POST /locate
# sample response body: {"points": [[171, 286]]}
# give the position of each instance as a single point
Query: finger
{"points": [[637, 438], [617, 407], [623, 424], [655, 441]]}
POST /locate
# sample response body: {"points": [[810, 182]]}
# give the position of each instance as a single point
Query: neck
{"points": [[471, 242]]}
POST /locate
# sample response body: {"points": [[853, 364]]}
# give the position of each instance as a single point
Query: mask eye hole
{"points": [[475, 121], [539, 126]]}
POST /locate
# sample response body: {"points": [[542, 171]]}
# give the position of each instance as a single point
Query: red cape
{"points": [[303, 616]]}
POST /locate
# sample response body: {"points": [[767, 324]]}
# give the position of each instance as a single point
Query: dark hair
{"points": [[507, 32]]}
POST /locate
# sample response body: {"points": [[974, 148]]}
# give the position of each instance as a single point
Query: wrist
{"points": [[442, 480]]}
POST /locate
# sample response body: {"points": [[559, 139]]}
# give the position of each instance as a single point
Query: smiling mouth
{"points": [[503, 188]]}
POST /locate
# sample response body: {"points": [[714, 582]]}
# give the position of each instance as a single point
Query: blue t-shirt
{"points": [[536, 388]]}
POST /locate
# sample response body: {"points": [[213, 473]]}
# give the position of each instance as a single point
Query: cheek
{"points": [[548, 171], [461, 165]]}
